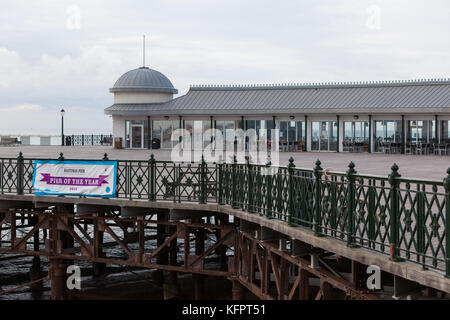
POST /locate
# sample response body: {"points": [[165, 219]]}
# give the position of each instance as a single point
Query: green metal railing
{"points": [[407, 219], [88, 140]]}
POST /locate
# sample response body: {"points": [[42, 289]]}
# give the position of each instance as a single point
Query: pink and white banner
{"points": [[86, 178]]}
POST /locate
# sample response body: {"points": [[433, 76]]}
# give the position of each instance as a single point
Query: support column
{"points": [[238, 291], [157, 275], [149, 133], [338, 133], [199, 283], [370, 133], [98, 268], [211, 125], [35, 269], [171, 287], [58, 278], [59, 240], [436, 128], [304, 284], [180, 126], [403, 134], [306, 134], [223, 220]]}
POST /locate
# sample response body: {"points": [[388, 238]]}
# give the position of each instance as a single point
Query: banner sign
{"points": [[80, 178]]}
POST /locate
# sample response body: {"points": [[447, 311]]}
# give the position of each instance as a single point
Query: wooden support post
{"points": [[304, 284], [359, 275], [35, 269], [199, 285], [170, 287], [58, 278], [326, 291], [222, 250], [98, 269], [238, 291], [158, 276], [173, 256]]}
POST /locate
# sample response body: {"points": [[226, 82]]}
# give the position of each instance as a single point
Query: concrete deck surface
{"points": [[411, 166]]}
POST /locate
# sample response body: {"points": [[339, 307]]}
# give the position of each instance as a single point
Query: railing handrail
{"points": [[328, 172]]}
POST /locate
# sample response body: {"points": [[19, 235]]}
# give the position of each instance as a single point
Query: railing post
{"points": [[82, 139], [351, 197], [234, 203], [152, 177], [250, 186], [220, 181], [447, 224], [20, 174], [317, 198], [420, 224], [372, 213], [394, 217], [269, 202], [291, 199], [202, 198], [92, 139]]}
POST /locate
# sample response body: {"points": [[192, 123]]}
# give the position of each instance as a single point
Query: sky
{"points": [[66, 54]]}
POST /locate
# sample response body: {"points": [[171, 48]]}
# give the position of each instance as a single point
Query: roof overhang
{"points": [[143, 89]]}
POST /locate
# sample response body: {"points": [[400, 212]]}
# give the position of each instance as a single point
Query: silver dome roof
{"points": [[143, 79]]}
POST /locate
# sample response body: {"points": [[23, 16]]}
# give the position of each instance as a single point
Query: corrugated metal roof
{"points": [[423, 95], [143, 79]]}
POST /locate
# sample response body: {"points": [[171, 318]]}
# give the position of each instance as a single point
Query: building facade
{"points": [[396, 117]]}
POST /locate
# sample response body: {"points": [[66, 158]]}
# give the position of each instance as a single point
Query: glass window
{"points": [[197, 135], [166, 127], [315, 135], [206, 133], [187, 141], [324, 136], [445, 131], [156, 130]]}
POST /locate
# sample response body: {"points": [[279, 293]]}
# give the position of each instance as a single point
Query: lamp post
{"points": [[62, 126]]}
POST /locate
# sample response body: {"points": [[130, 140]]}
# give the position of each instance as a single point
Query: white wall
{"points": [[141, 97], [118, 128]]}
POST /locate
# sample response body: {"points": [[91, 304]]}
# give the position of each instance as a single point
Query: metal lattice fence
{"points": [[408, 219]]}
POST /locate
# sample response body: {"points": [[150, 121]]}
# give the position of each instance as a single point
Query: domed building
{"points": [[382, 116], [135, 92]]}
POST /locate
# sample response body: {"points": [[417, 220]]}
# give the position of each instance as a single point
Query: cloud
{"points": [[43, 63], [22, 108]]}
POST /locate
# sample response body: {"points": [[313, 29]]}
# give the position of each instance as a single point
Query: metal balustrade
{"points": [[407, 219], [88, 140]]}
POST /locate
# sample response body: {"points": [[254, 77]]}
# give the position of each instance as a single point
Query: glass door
{"points": [[315, 136], [137, 136], [324, 136]]}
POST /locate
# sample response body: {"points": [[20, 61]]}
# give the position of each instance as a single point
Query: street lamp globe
{"points": [[62, 112]]}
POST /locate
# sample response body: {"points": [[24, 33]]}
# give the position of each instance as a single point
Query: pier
{"points": [[299, 233]]}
